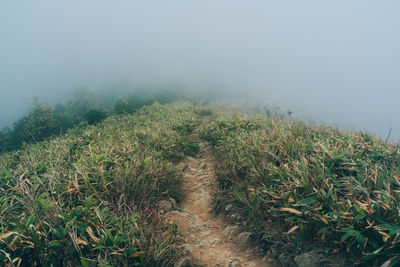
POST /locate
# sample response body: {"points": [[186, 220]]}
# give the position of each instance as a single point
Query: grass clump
{"points": [[301, 187], [88, 198]]}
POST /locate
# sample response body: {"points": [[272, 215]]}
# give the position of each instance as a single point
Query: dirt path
{"points": [[209, 240]]}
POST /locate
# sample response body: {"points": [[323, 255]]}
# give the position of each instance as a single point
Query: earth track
{"points": [[209, 240]]}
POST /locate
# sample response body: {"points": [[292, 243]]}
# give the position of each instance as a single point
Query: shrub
{"points": [[122, 107], [95, 116], [38, 125]]}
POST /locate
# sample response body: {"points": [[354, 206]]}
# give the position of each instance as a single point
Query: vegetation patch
{"points": [[88, 198], [44, 121], [95, 116], [317, 187]]}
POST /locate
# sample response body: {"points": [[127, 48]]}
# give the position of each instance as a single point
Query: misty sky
{"points": [[335, 62]]}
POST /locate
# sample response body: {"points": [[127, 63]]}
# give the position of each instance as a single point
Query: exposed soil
{"points": [[208, 238]]}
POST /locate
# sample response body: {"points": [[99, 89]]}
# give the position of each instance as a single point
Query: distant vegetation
{"points": [[83, 108], [301, 187]]}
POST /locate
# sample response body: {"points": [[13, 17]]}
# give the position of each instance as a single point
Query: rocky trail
{"points": [[208, 239]]}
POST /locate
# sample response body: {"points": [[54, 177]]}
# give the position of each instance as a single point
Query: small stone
{"points": [[184, 262], [235, 263], [183, 219], [173, 203], [203, 165], [205, 232], [235, 217], [274, 252], [165, 205], [202, 202], [194, 226], [228, 207], [195, 239], [215, 242], [230, 231], [267, 259], [203, 243], [287, 260], [187, 246], [308, 259], [221, 264], [243, 238]]}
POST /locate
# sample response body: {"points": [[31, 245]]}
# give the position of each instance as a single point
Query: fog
{"points": [[334, 62]]}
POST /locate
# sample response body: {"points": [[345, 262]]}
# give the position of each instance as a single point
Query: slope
{"points": [[88, 197]]}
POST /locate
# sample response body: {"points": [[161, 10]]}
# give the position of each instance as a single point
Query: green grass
{"points": [[88, 198], [300, 186]]}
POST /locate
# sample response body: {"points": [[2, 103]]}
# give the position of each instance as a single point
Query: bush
{"points": [[122, 107], [95, 116], [36, 126]]}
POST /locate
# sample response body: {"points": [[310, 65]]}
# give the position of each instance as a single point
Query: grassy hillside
{"points": [[89, 197], [301, 187]]}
